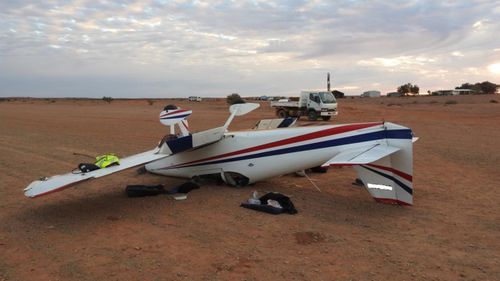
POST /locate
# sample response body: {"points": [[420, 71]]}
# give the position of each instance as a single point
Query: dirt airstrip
{"points": [[94, 232]]}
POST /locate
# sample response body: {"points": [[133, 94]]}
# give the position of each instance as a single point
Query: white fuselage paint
{"points": [[254, 167]]}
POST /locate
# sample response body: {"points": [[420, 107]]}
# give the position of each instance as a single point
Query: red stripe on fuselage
{"points": [[309, 136]]}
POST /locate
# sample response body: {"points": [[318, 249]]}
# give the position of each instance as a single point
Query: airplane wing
{"points": [[185, 142], [59, 182], [363, 155]]}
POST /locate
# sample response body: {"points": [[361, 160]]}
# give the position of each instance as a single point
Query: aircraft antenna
{"points": [[328, 81]]}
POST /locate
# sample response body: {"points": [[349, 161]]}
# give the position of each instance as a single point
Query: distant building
{"points": [[454, 92], [371, 94], [465, 91], [393, 94]]}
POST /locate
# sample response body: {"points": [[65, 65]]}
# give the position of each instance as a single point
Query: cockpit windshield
{"points": [[327, 97]]}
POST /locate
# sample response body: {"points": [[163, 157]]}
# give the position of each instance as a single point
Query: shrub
{"points": [[151, 102], [234, 99], [451, 102], [493, 101], [107, 99]]}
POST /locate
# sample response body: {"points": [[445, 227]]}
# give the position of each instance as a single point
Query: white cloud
{"points": [[477, 24], [402, 61], [494, 68]]}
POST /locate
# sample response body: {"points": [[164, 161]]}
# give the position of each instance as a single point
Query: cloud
{"points": [[494, 68], [251, 47]]}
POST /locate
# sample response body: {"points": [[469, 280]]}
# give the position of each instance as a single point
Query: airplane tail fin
{"points": [[390, 178], [386, 167], [173, 115]]}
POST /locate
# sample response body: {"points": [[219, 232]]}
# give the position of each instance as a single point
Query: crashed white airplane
{"points": [[380, 152]]}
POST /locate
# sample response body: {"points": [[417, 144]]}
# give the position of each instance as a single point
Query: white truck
{"points": [[311, 104], [194, 98]]}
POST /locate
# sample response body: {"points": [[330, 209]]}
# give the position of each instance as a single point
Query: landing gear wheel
{"points": [[312, 116], [326, 118], [282, 114]]}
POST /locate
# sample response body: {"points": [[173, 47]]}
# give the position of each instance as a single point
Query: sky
{"points": [[165, 49]]}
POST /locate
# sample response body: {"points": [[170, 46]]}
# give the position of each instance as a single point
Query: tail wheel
{"points": [[326, 118], [282, 113], [312, 115]]}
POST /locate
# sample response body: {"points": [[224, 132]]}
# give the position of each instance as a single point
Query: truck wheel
{"points": [[326, 118], [312, 115], [282, 113]]}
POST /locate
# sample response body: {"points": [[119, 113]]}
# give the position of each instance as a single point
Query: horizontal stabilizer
{"points": [[56, 183], [269, 124], [361, 155]]}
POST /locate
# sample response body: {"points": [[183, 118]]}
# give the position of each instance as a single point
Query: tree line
{"points": [[485, 87]]}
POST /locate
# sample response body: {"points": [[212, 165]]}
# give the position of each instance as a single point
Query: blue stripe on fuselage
{"points": [[174, 117]]}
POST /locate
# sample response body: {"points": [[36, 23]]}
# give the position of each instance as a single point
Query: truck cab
{"points": [[319, 104]]}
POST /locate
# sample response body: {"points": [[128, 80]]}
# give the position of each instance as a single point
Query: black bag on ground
{"points": [[144, 190], [87, 167], [284, 201]]}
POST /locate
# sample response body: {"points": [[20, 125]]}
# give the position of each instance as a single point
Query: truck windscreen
{"points": [[327, 97]]}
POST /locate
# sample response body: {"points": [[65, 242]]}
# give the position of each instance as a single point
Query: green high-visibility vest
{"points": [[103, 161]]}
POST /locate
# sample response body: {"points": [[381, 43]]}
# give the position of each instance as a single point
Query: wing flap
{"points": [[59, 182], [363, 155]]}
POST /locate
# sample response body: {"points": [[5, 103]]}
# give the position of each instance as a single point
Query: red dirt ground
{"points": [[94, 232]]}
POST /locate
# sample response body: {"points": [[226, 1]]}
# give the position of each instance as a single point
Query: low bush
{"points": [[234, 99], [107, 99]]}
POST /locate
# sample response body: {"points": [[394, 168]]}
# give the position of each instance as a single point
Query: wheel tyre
{"points": [[282, 114], [312, 116], [326, 118]]}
